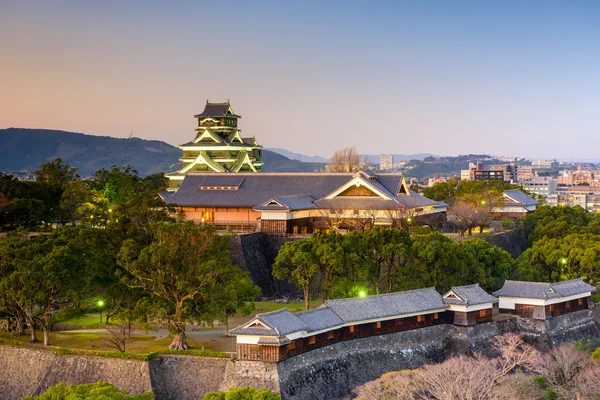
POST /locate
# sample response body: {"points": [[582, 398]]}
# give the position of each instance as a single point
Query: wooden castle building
{"points": [[218, 146], [541, 300], [278, 335], [289, 203]]}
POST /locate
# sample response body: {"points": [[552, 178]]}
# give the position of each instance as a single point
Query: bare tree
{"points": [[571, 372], [365, 219], [117, 336], [401, 217], [464, 216], [330, 219], [475, 378], [346, 160]]}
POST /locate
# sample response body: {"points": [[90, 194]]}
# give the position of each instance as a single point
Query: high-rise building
{"points": [[218, 146], [386, 162]]}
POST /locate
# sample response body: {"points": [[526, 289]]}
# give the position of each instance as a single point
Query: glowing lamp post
{"points": [[100, 304], [563, 261], [362, 293]]}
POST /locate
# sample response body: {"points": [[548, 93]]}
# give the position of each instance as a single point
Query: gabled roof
{"points": [[543, 290], [259, 188], [387, 305], [468, 295], [287, 203], [217, 110], [278, 323], [516, 196]]}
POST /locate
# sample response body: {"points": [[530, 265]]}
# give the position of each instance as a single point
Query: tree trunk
{"points": [[46, 331], [34, 338], [179, 340], [306, 298], [19, 321]]}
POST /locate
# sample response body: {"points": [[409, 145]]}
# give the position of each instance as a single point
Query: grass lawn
{"points": [[91, 320], [212, 338]]}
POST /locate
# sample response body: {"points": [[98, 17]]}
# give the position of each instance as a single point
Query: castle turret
{"points": [[218, 146]]}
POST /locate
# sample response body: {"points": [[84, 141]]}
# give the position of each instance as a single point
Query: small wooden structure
{"points": [[470, 304], [541, 300]]}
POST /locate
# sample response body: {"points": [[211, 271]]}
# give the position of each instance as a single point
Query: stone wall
{"points": [[514, 242], [333, 371], [130, 375], [330, 372], [21, 370], [189, 378]]}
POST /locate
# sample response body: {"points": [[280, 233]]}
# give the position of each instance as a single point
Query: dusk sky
{"points": [[517, 78]]}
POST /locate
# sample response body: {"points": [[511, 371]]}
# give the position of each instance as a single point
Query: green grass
{"points": [[88, 320]]}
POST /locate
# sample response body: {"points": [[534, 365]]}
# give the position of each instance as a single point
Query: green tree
{"points": [[495, 264], [74, 196], [556, 259], [442, 191], [91, 391], [439, 262], [383, 254], [182, 271], [55, 173], [330, 254], [554, 222], [296, 263]]}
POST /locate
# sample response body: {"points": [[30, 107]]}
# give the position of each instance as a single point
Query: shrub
{"points": [[246, 393], [92, 391]]}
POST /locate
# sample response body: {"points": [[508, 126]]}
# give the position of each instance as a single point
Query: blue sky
{"points": [[515, 78]]}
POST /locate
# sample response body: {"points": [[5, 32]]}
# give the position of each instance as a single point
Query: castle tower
{"points": [[218, 146]]}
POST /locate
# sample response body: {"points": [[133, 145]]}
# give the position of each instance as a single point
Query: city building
{"points": [[386, 162], [218, 146], [539, 300], [581, 176], [436, 179], [543, 163], [540, 185], [588, 201], [488, 175], [525, 173], [290, 203], [509, 171]]}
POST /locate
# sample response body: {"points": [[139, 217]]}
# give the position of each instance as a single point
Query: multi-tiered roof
{"points": [[218, 146]]}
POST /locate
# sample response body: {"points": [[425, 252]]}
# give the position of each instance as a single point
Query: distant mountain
{"points": [[298, 156], [23, 150]]}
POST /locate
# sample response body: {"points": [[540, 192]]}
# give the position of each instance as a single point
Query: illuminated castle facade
{"points": [[218, 146]]}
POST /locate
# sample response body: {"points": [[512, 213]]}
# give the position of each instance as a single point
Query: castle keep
{"points": [[218, 146]]}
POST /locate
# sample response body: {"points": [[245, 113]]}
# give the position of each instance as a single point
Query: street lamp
{"points": [[100, 304], [362, 293], [563, 261]]}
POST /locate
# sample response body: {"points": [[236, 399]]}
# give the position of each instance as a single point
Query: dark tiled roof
{"points": [[271, 341], [253, 331], [260, 187], [571, 287], [214, 110], [280, 323], [470, 295], [520, 197], [387, 305], [543, 290], [287, 203], [256, 189], [320, 318]]}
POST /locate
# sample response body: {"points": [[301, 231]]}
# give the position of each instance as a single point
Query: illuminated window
{"points": [[291, 345], [378, 324], [580, 302], [351, 328], [420, 318], [312, 340], [482, 313], [330, 335], [435, 316]]}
